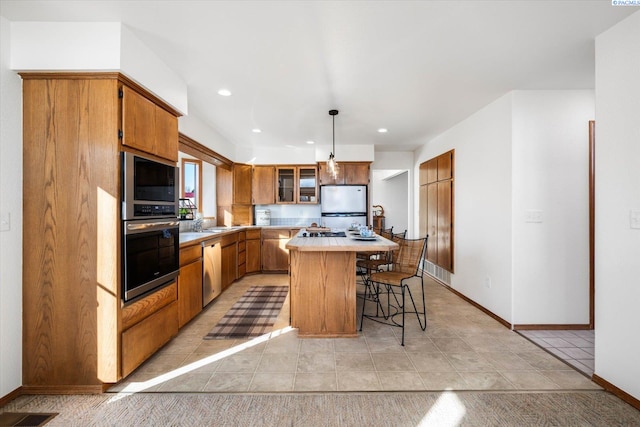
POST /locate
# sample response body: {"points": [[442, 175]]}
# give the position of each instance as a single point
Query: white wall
{"points": [[94, 46], [197, 130], [392, 193], [526, 151], [550, 176], [482, 217], [617, 266], [10, 203]]}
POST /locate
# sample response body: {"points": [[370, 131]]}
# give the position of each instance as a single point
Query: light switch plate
{"points": [[5, 221], [634, 219], [533, 216]]}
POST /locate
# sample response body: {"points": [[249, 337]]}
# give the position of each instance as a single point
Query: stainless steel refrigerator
{"points": [[342, 205]]}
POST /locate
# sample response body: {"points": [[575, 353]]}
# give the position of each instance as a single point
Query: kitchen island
{"points": [[322, 281]]}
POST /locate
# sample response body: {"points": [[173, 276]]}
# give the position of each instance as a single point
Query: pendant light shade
{"points": [[332, 165]]}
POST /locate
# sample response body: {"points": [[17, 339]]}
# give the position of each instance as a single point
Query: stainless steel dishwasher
{"points": [[211, 270]]}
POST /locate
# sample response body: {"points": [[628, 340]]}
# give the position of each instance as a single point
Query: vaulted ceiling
{"points": [[413, 67]]}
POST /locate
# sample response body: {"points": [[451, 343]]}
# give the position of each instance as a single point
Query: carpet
{"points": [[252, 315]]}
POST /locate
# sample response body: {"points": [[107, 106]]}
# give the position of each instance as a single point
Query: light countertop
{"points": [[350, 243]]}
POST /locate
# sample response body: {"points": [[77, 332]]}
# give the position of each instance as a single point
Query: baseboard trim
{"points": [[473, 303], [616, 391], [63, 389], [9, 397], [551, 327]]}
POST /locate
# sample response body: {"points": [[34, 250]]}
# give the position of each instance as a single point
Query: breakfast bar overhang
{"points": [[322, 278]]}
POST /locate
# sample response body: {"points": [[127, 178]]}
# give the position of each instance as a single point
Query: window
{"points": [[191, 181]]}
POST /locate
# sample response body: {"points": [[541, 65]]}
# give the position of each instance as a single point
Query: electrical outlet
{"points": [[5, 221], [487, 282]]}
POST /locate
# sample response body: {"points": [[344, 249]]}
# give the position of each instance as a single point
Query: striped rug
{"points": [[253, 315]]}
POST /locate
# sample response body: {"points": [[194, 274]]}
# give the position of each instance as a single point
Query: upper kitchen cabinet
{"points": [[233, 195], [307, 184], [286, 184], [296, 184], [263, 181], [148, 127], [349, 173], [242, 184]]}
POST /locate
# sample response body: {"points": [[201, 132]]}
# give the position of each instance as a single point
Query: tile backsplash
{"points": [[304, 222]]}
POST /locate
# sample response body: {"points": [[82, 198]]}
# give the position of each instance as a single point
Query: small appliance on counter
{"points": [[263, 217]]}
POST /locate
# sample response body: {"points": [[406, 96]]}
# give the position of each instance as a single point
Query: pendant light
{"points": [[332, 165]]}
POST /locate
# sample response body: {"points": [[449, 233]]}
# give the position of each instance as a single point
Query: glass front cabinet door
{"points": [[307, 184], [286, 181]]}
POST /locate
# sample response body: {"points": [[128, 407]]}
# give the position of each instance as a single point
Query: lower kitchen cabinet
{"points": [[147, 325], [253, 256], [275, 256], [189, 284], [242, 254], [229, 259]]}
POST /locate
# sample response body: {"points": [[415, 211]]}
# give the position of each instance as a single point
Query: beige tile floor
{"points": [[575, 347], [461, 349]]}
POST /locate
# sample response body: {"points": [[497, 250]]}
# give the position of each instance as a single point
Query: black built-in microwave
{"points": [[149, 188]]}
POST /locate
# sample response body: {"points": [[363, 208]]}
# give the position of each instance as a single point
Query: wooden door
{"points": [[138, 121], [286, 182], [229, 264], [263, 185], [71, 275], [444, 166], [431, 168], [307, 185], [253, 263], [432, 222], [325, 178], [275, 255], [166, 134], [189, 292], [444, 231], [355, 173], [242, 184]]}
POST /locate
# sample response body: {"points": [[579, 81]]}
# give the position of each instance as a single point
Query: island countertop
{"points": [[322, 278], [339, 244]]}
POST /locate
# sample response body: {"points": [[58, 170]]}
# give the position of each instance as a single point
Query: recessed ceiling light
{"points": [[224, 92], [256, 130], [382, 130], [310, 142]]}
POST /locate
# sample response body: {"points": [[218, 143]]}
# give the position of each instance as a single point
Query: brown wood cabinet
{"points": [[307, 184], [286, 184], [76, 334], [229, 255], [296, 184], [263, 185], [242, 184], [145, 337], [253, 249], [242, 254], [147, 126], [189, 284], [350, 173], [436, 208], [275, 256], [233, 195]]}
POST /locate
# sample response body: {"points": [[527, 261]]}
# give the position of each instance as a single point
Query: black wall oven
{"points": [[150, 228], [150, 256]]}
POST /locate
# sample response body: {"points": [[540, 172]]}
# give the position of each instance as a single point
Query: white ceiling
{"points": [[414, 67]]}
